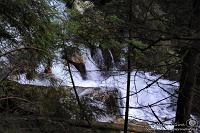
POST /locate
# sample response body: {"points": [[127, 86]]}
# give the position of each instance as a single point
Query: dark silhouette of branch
{"points": [[157, 118], [21, 49], [166, 91], [146, 87], [16, 98], [76, 94]]}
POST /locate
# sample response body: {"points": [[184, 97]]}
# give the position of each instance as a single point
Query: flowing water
{"points": [[145, 101]]}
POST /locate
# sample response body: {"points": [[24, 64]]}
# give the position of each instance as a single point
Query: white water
{"points": [[139, 80]]}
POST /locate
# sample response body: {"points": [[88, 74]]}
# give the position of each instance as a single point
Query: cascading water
{"points": [[93, 72], [112, 58], [98, 57], [156, 96]]}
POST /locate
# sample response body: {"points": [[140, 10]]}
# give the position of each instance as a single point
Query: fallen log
{"points": [[95, 126], [112, 126]]}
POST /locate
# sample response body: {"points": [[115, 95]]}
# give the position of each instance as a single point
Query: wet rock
{"points": [[81, 68], [77, 60], [138, 125], [104, 98], [99, 2]]}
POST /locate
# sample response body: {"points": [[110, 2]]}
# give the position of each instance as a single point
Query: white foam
{"points": [[139, 81]]}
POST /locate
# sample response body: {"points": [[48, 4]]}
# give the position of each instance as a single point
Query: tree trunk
{"points": [[187, 86], [128, 70]]}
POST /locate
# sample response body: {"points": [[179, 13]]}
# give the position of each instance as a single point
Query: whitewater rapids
{"points": [[144, 100]]}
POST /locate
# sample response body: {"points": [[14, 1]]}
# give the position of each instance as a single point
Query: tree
{"points": [[29, 33], [184, 24]]}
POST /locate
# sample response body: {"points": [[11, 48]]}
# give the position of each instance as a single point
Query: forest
{"points": [[99, 66]]}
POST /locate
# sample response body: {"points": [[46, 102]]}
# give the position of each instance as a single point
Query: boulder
{"points": [[138, 125], [105, 99], [77, 60]]}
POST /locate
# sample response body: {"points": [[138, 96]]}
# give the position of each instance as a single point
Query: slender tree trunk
{"points": [[187, 86], [127, 94], [128, 70], [83, 113]]}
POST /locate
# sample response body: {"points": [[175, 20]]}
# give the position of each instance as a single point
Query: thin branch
{"points": [[17, 98], [152, 105], [20, 49], [149, 85], [157, 118], [76, 93]]}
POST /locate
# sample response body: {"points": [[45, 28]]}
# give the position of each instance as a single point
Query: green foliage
{"points": [[92, 28], [137, 44], [30, 30], [37, 100], [42, 108]]}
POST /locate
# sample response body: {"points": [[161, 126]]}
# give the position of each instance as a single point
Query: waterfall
{"points": [[111, 55], [139, 80], [93, 72], [97, 57]]}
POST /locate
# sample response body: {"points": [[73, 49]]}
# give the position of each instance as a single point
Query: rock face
{"points": [[103, 98], [77, 60]]}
